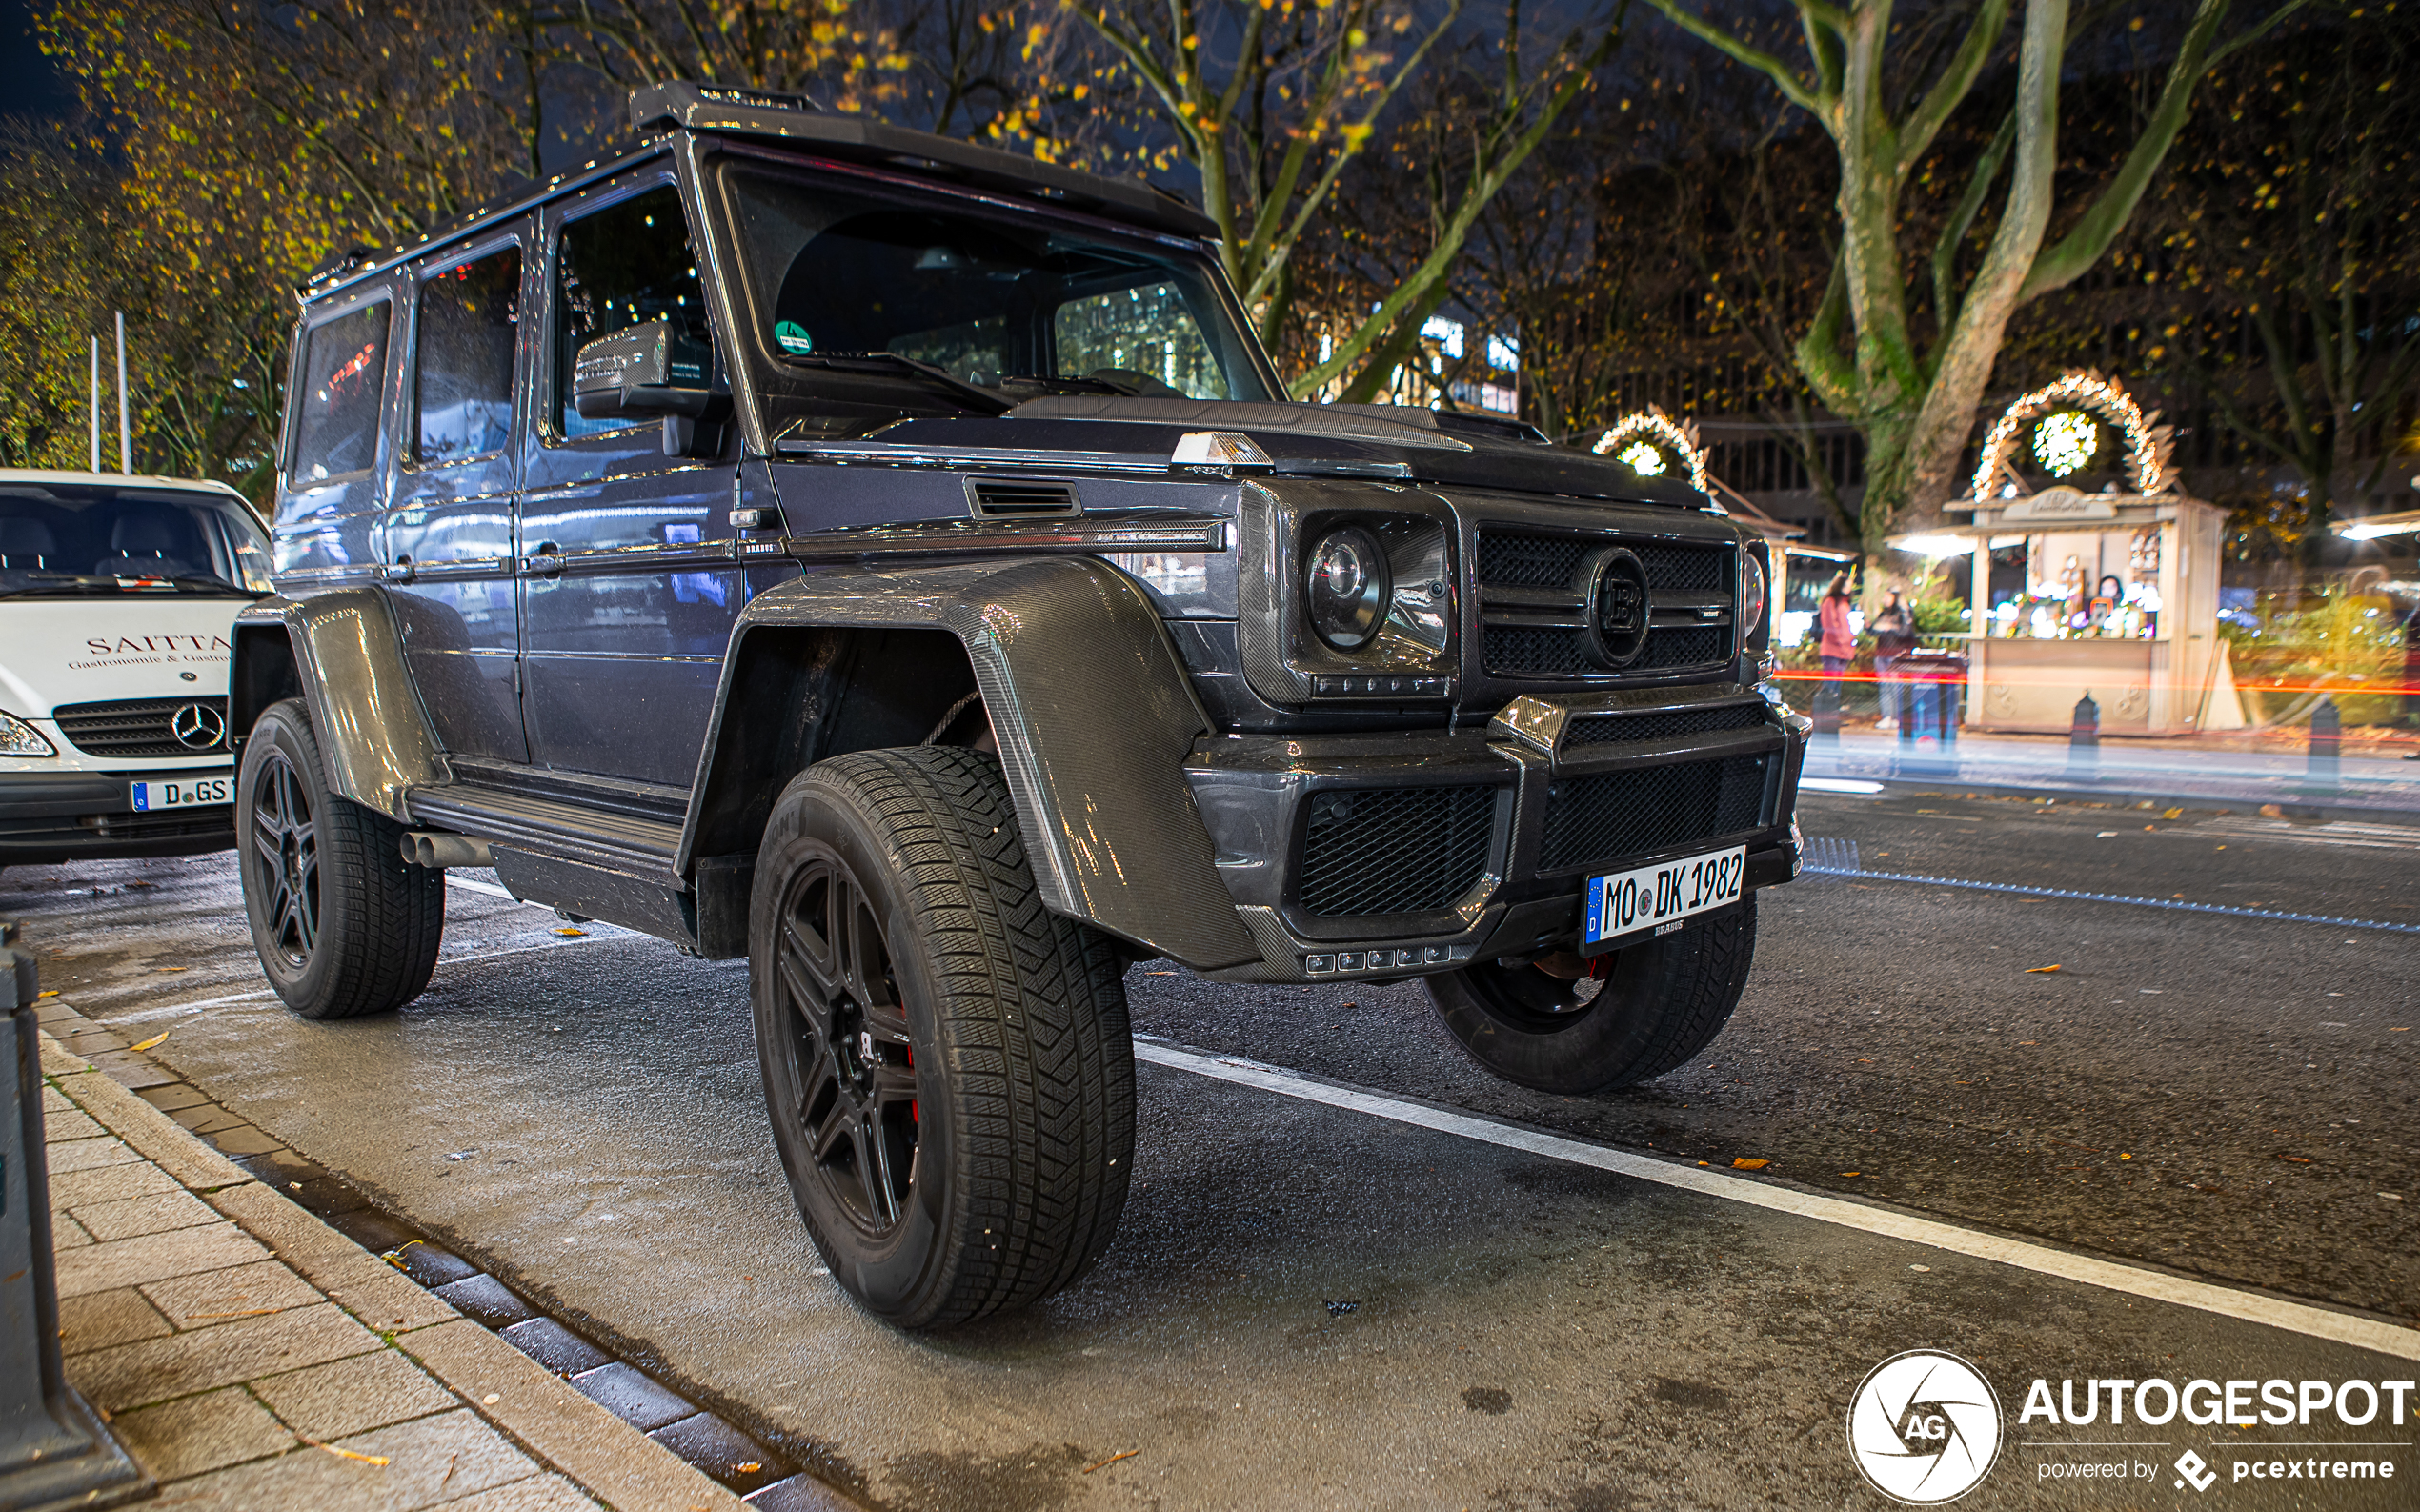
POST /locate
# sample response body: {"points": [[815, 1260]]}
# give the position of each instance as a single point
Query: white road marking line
{"points": [[2316, 1322], [1839, 785]]}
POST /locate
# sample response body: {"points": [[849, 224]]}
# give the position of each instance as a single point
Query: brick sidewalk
{"points": [[253, 1358]]}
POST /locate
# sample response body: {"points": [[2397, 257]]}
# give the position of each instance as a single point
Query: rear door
{"points": [[337, 448], [448, 532], [629, 589]]}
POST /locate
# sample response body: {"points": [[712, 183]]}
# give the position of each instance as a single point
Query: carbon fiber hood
{"points": [[1378, 441]]}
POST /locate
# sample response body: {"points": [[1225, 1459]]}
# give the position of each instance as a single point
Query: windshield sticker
{"points": [[793, 336]]}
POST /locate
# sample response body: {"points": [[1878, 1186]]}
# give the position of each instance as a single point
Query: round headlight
{"points": [[1751, 592], [1347, 588]]}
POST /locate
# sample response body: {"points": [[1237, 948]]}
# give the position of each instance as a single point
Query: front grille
{"points": [[137, 728], [1530, 561], [1524, 648], [1687, 645], [1667, 724], [1686, 569], [1531, 638], [1595, 819], [1393, 850]]}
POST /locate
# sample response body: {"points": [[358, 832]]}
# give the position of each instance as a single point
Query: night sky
{"points": [[31, 88]]}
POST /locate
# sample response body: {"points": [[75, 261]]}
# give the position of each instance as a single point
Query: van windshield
{"points": [[839, 280], [60, 540]]}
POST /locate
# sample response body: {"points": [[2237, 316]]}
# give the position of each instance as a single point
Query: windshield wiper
{"points": [[989, 402], [1063, 384]]}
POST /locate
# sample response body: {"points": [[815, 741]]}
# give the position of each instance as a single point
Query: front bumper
{"points": [[47, 817], [1400, 854]]}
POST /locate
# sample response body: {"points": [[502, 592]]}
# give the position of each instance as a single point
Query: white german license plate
{"points": [[1655, 899], [150, 798]]}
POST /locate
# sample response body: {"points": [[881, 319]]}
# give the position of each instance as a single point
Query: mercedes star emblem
{"points": [[197, 727]]}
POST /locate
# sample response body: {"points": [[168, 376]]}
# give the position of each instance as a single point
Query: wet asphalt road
{"points": [[2226, 1098]]}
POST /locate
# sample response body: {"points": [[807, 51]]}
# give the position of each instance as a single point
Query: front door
{"points": [[629, 589], [448, 538]]}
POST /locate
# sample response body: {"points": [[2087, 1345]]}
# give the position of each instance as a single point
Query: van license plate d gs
{"points": [[150, 798], [1657, 899]]}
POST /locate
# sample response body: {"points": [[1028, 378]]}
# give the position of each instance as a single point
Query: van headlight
{"points": [[1348, 586], [18, 738]]}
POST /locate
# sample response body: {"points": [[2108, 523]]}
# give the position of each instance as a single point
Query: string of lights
{"points": [[1632, 442], [2067, 439]]}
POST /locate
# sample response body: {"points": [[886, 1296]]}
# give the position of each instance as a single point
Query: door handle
{"points": [[547, 561], [400, 569]]}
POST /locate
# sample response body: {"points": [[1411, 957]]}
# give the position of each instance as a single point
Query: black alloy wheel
{"points": [[947, 1063], [284, 860], [846, 1063], [1647, 1009], [342, 923]]}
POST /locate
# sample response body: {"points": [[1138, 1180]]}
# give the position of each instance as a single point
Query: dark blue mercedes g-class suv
{"points": [[894, 561]]}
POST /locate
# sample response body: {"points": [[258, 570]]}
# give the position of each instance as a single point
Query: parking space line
{"points": [[2299, 1318], [1834, 857]]}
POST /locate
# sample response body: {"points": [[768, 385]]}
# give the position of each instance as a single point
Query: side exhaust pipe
{"points": [[437, 850]]}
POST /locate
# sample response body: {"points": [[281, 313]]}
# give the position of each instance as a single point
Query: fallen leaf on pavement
{"points": [[2032, 971], [345, 1453], [2029, 1042], [49, 992], [150, 1043], [1848, 1173], [171, 968], [1112, 1460], [2126, 1155], [1743, 1164], [2173, 813], [2272, 811], [2298, 1160], [570, 931]]}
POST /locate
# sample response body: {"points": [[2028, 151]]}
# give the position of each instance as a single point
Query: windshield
{"points": [[60, 540], [1014, 306]]}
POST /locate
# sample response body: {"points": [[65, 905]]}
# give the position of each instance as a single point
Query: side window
{"points": [[1144, 333], [463, 373], [344, 372], [622, 266]]}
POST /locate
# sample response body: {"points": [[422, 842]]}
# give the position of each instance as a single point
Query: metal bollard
{"points": [[2327, 741], [2084, 740], [54, 1451]]}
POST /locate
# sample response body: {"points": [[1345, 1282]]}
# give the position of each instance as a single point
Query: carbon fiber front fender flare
{"points": [[1094, 715]]}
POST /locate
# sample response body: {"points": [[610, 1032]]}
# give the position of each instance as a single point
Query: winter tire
{"points": [[947, 1063], [343, 925], [1658, 1003]]}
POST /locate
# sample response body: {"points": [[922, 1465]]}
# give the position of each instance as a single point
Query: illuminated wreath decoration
{"points": [[1640, 439], [2148, 443]]}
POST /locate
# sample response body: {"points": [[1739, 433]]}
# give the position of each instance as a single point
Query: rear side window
{"points": [[622, 266], [344, 373], [462, 373]]}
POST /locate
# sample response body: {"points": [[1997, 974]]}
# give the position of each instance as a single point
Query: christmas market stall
{"points": [[2111, 593]]}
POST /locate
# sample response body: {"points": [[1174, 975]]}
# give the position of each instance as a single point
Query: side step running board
{"points": [[617, 842]]}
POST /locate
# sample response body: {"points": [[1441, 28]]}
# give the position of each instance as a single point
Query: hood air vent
{"points": [[999, 497]]}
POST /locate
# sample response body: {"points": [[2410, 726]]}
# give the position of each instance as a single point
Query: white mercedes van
{"points": [[117, 595]]}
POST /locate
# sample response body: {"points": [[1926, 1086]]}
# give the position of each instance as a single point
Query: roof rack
{"points": [[685, 106]]}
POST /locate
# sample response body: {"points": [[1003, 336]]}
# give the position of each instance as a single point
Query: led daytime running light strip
{"points": [[2147, 445], [1654, 424]]}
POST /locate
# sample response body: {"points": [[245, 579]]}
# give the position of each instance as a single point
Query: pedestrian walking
{"points": [[1839, 643], [1894, 636]]}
